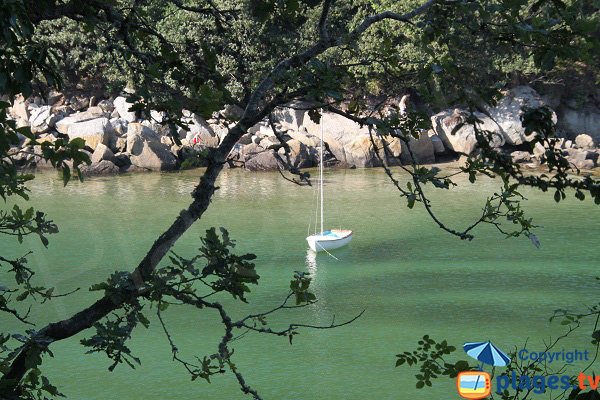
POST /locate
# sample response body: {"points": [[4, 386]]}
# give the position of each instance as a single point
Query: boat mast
{"points": [[321, 170]]}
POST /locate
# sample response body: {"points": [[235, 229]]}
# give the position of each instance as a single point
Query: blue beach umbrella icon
{"points": [[486, 353]]}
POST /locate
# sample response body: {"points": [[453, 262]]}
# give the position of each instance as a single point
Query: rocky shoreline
{"points": [[119, 140]]}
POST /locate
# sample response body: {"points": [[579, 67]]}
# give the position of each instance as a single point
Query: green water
{"points": [[410, 277]]}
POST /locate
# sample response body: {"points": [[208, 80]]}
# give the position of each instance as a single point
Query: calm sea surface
{"points": [[410, 277]]}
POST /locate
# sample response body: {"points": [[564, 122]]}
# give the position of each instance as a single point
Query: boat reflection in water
{"points": [[311, 262]]}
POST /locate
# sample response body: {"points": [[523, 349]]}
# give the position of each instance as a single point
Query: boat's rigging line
{"points": [[325, 250], [316, 207]]}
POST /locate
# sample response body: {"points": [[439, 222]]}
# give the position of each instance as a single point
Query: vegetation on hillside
{"points": [[440, 56]]}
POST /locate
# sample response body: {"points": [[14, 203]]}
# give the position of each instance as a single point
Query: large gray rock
{"points": [[232, 112], [245, 139], [348, 142], [55, 98], [220, 131], [162, 130], [507, 113], [78, 103], [504, 121], [359, 153], [154, 156], [19, 110], [301, 156], [120, 144], [539, 150], [270, 142], [122, 160], [94, 131], [119, 125], [102, 152], [358, 150], [208, 140], [580, 158], [256, 128], [266, 130], [97, 111], [303, 136], [389, 150], [46, 137], [520, 157], [42, 119], [122, 108], [335, 127], [108, 106], [146, 149], [419, 150], [250, 150], [63, 125], [198, 130], [438, 144], [291, 116], [584, 142], [203, 139], [584, 164], [265, 161], [195, 122], [157, 116], [393, 146], [462, 139], [102, 167], [168, 140], [137, 135]]}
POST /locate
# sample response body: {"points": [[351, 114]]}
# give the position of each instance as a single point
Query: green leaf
{"points": [[99, 286], [461, 365], [77, 143], [26, 131], [143, 320], [315, 116], [22, 296], [411, 198], [66, 174], [557, 196]]}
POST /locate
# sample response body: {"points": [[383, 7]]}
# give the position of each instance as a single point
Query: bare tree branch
{"points": [[406, 17]]}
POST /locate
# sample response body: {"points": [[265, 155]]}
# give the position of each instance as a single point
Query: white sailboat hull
{"points": [[329, 240]]}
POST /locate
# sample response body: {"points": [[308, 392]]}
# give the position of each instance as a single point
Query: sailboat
{"points": [[326, 239]]}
